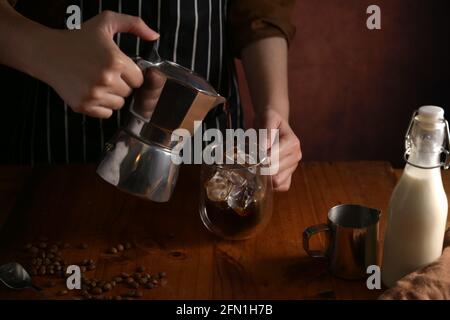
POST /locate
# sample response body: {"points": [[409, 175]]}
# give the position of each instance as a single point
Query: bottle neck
{"points": [[424, 159], [426, 141]]}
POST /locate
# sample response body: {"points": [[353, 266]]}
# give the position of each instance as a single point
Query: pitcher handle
{"points": [[308, 233]]}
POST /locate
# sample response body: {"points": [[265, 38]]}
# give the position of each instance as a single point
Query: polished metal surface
{"points": [[14, 276], [138, 159], [352, 240], [142, 169]]}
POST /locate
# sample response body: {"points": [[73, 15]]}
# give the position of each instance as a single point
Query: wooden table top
{"points": [[72, 204]]}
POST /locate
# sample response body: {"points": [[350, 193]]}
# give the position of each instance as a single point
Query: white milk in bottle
{"points": [[417, 211]]}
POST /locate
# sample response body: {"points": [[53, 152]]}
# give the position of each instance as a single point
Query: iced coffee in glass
{"points": [[236, 199]]}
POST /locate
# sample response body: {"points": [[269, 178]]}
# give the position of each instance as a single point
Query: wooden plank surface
{"points": [[12, 180], [72, 204]]}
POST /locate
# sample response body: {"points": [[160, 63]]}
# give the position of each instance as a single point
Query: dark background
{"points": [[352, 90]]}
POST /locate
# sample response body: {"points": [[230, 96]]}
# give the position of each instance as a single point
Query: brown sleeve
{"points": [[252, 20]]}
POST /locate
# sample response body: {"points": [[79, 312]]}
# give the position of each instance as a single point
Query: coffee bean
{"points": [[149, 285], [130, 293], [53, 249], [125, 275], [107, 287], [127, 245], [51, 271], [140, 269], [118, 279], [112, 250], [136, 276], [85, 262], [91, 267], [93, 283], [143, 281], [97, 291], [120, 247], [83, 268], [162, 275], [42, 270], [163, 282], [113, 283], [47, 261], [146, 275], [34, 251], [134, 285], [51, 256], [62, 292], [58, 267], [84, 293], [90, 261], [27, 246], [42, 245], [117, 298], [129, 280], [83, 246]]}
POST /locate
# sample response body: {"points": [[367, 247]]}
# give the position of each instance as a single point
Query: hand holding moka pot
{"points": [[138, 159]]}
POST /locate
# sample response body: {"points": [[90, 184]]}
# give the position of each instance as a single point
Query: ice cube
{"points": [[218, 187], [239, 199]]}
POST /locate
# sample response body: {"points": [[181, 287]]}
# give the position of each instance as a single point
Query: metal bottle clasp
{"points": [[446, 151]]}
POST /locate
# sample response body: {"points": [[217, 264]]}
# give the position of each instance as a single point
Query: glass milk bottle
{"points": [[417, 212]]}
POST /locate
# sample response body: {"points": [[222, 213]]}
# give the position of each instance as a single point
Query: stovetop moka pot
{"points": [[138, 159]]}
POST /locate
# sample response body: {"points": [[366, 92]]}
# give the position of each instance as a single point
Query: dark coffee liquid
{"points": [[230, 223]]}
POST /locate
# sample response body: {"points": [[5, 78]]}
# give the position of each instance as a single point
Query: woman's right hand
{"points": [[86, 67]]}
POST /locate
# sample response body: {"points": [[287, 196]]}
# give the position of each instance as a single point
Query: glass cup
{"points": [[236, 200]]}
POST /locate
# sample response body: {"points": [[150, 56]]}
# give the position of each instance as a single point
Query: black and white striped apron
{"points": [[192, 33]]}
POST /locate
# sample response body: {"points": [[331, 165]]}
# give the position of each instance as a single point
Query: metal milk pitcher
{"points": [[138, 159]]}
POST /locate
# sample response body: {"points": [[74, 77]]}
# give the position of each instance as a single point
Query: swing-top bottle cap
{"points": [[431, 114]]}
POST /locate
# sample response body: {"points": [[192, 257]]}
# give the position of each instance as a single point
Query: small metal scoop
{"points": [[14, 276]]}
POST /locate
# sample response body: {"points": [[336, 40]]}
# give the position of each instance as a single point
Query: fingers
{"points": [[98, 112], [285, 153], [288, 165], [121, 88], [282, 185], [131, 73], [111, 101], [116, 22]]}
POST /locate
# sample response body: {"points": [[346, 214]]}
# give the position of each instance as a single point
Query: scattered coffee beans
{"points": [[45, 259], [112, 250]]}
